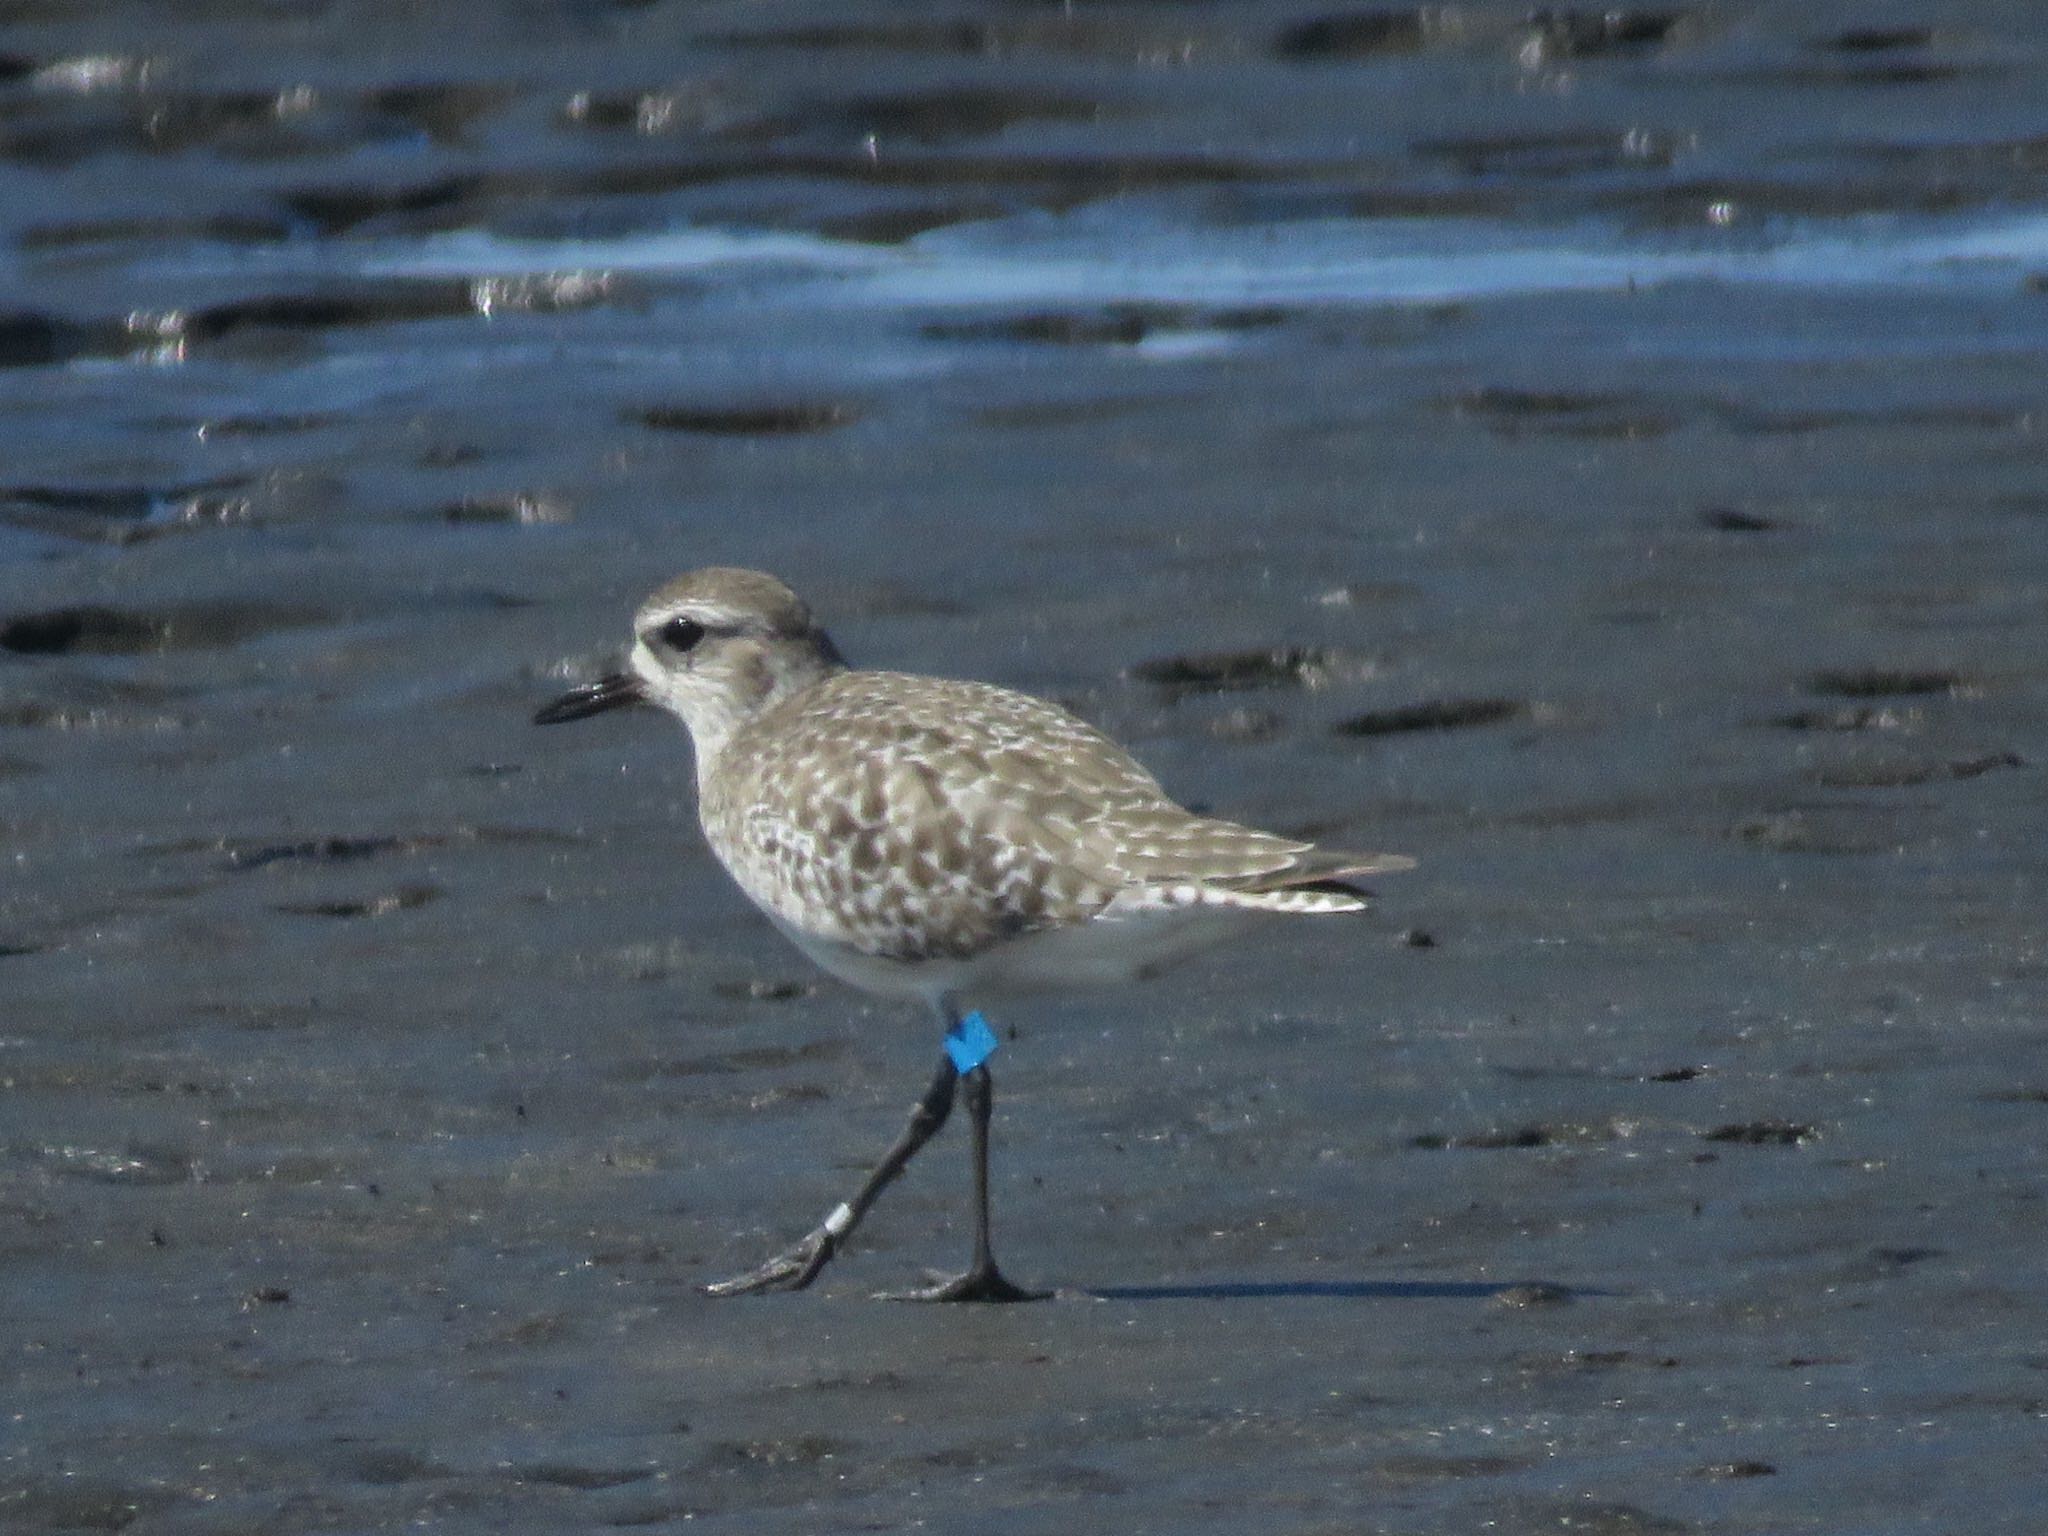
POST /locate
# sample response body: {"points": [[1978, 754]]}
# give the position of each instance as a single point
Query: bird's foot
{"points": [[984, 1282], [791, 1270]]}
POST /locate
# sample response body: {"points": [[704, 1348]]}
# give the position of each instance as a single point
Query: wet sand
{"points": [[1600, 457]]}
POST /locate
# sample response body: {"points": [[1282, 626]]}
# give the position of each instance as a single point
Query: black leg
{"points": [[983, 1281], [797, 1266]]}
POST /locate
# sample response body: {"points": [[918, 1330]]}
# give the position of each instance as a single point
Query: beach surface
{"points": [[1602, 454]]}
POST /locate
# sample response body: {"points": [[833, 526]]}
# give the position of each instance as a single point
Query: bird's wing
{"points": [[990, 813], [1030, 775]]}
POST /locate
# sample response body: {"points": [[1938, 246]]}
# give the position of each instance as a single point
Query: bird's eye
{"points": [[680, 633]]}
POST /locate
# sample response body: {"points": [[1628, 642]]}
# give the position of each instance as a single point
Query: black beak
{"points": [[611, 692]]}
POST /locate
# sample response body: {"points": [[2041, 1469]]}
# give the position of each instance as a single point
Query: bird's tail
{"points": [[1319, 880]]}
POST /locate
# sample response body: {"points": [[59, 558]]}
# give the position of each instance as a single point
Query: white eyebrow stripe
{"points": [[728, 620]]}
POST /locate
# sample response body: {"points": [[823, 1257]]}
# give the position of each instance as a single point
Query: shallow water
{"points": [[1601, 456]]}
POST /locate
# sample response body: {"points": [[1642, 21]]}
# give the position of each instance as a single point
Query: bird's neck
{"points": [[755, 682]]}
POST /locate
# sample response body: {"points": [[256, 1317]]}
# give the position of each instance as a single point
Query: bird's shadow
{"points": [[1342, 1290]]}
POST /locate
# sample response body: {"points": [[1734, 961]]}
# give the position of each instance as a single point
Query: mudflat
{"points": [[1597, 453]]}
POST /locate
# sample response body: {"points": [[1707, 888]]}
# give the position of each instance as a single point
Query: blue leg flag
{"points": [[970, 1042]]}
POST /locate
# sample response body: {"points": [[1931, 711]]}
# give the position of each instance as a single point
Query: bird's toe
{"points": [[790, 1270], [987, 1284]]}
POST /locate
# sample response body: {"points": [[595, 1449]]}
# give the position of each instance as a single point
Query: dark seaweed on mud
{"points": [[1515, 413], [1762, 1133], [1901, 773], [1292, 666], [405, 898], [1113, 325], [120, 514], [323, 850], [783, 420], [1352, 35], [1735, 520], [122, 631], [1432, 715], [1882, 682], [1523, 1137], [1587, 34]]}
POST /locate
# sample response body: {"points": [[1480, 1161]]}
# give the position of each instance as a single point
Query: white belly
{"points": [[1105, 951]]}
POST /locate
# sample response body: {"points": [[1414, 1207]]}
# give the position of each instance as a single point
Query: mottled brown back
{"points": [[916, 818]]}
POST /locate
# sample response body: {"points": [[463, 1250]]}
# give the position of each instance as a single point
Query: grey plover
{"points": [[930, 839]]}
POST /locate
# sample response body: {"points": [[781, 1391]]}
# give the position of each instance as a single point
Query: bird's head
{"points": [[714, 648]]}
